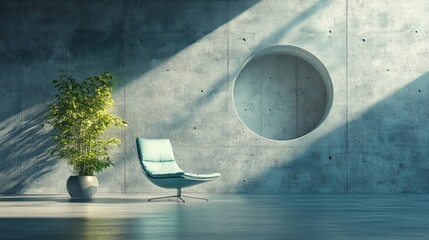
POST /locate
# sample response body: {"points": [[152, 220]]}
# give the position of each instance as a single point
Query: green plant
{"points": [[79, 117]]}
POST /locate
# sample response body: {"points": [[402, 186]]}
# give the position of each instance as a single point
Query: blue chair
{"points": [[160, 167]]}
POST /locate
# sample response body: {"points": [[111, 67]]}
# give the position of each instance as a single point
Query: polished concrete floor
{"points": [[224, 217]]}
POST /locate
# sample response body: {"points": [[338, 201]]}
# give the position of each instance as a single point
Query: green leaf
{"points": [[79, 115]]}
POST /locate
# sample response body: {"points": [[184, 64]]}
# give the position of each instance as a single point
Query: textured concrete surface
{"points": [[280, 96], [175, 63], [233, 216]]}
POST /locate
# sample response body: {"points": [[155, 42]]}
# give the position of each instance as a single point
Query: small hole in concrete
{"points": [[195, 128], [141, 40], [244, 180], [330, 31], [244, 39], [168, 69], [330, 157], [245, 110], [420, 90], [416, 31], [388, 70], [202, 91], [363, 39], [412, 127], [269, 110]]}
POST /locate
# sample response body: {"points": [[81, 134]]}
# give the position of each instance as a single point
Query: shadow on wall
{"points": [[154, 33], [25, 155], [287, 28], [387, 152], [38, 39]]}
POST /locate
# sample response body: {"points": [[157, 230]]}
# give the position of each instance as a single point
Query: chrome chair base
{"points": [[178, 196]]}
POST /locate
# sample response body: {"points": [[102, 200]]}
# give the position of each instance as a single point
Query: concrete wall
{"points": [[175, 62]]}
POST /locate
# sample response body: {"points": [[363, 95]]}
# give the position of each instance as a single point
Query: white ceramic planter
{"points": [[82, 186]]}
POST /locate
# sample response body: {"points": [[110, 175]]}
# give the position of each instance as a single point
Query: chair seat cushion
{"points": [[202, 176], [165, 168], [169, 175]]}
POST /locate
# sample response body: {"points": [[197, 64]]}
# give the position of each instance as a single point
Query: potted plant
{"points": [[79, 117]]}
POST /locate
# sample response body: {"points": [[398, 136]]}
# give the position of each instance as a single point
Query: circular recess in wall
{"points": [[282, 93]]}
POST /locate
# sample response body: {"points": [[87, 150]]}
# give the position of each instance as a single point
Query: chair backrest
{"points": [[156, 157]]}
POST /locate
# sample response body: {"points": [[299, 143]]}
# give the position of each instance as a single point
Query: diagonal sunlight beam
{"points": [[212, 78]]}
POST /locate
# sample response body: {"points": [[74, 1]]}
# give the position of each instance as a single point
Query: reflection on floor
{"points": [[224, 217]]}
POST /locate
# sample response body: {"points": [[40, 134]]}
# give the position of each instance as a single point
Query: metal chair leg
{"points": [[195, 198], [150, 199], [178, 196]]}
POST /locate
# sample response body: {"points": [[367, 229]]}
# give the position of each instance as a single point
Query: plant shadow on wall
{"points": [[387, 151], [26, 156], [28, 150]]}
